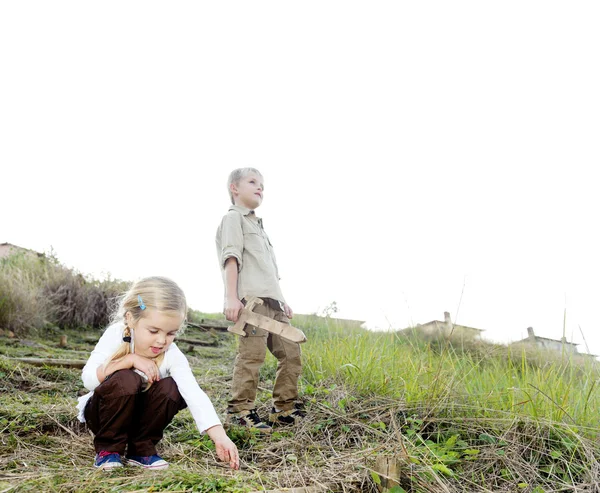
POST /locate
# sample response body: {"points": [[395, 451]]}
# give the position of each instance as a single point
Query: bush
{"points": [[37, 290], [21, 307]]}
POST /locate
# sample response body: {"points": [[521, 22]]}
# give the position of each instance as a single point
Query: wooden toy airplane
{"points": [[247, 316]]}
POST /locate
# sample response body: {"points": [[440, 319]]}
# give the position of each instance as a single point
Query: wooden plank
{"points": [[66, 363], [218, 328], [196, 342], [388, 469], [208, 326]]}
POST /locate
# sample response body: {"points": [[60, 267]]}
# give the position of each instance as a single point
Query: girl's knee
{"points": [[120, 383], [166, 387]]}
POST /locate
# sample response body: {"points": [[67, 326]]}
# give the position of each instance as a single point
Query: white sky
{"points": [[411, 151]]}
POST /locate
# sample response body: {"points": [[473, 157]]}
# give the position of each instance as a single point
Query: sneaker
{"points": [[147, 462], [249, 419], [289, 417], [107, 460]]}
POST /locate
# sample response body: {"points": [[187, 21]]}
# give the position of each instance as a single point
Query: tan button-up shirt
{"points": [[241, 235]]}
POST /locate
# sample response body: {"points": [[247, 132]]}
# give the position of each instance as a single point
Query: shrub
{"points": [[37, 290]]}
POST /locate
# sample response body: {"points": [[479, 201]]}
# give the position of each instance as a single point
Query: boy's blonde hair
{"points": [[160, 293], [236, 175]]}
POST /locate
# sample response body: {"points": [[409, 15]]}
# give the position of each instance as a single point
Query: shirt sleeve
{"points": [[198, 403], [231, 238], [105, 347]]}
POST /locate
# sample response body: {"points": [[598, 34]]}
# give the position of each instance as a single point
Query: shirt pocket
{"points": [[254, 243]]}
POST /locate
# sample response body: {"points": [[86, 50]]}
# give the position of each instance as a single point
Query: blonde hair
{"points": [[236, 175], [159, 293]]}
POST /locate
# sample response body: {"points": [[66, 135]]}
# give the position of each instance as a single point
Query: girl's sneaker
{"points": [[107, 460], [147, 462]]}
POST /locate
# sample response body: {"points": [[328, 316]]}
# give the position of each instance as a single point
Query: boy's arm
{"points": [[230, 246], [288, 311], [232, 303]]}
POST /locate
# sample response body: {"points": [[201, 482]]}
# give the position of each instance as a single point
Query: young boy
{"points": [[249, 269]]}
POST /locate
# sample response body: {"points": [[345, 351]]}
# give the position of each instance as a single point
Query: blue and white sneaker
{"points": [[147, 462], [107, 460]]}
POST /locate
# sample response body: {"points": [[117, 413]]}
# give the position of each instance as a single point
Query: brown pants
{"points": [[250, 357], [122, 416]]}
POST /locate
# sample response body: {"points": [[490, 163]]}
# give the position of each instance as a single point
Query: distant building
{"points": [[7, 249], [552, 344], [437, 328]]}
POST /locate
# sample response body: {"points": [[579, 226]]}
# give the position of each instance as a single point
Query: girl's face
{"points": [[155, 331]]}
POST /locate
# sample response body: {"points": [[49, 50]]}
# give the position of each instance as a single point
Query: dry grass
{"points": [[38, 291], [44, 448], [452, 415]]}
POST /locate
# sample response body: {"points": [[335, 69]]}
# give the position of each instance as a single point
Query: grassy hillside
{"points": [[446, 415], [474, 416]]}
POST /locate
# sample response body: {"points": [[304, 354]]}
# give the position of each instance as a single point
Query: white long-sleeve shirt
{"points": [[174, 365]]}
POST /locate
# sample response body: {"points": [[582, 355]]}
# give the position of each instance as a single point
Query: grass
{"points": [[38, 291], [492, 417], [453, 417], [44, 448], [454, 374]]}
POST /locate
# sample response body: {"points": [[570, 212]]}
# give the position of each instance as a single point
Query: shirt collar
{"points": [[242, 210]]}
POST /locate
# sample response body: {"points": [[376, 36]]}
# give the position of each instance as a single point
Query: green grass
{"points": [[468, 404], [453, 415], [44, 448], [491, 378]]}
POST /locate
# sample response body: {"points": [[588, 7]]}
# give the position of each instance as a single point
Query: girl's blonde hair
{"points": [[238, 174], [159, 293]]}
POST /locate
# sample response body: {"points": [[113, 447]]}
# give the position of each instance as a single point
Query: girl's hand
{"points": [[288, 311], [228, 452], [146, 366], [226, 449]]}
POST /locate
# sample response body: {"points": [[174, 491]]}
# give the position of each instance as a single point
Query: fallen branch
{"points": [[198, 343], [307, 489], [66, 363], [208, 326]]}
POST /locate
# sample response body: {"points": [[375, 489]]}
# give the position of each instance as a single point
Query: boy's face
{"points": [[155, 331], [249, 191]]}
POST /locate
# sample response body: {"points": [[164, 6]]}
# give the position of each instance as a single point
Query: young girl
{"points": [[139, 380]]}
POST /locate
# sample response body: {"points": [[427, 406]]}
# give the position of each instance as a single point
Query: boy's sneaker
{"points": [[147, 462], [107, 460], [249, 419], [289, 417]]}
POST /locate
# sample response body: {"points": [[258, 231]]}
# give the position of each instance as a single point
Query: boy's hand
{"points": [[146, 366], [225, 448], [233, 306], [288, 311]]}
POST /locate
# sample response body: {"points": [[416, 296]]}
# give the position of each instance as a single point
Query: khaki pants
{"points": [[250, 357]]}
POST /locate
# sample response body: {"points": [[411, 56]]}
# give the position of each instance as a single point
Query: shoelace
{"points": [[253, 416]]}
